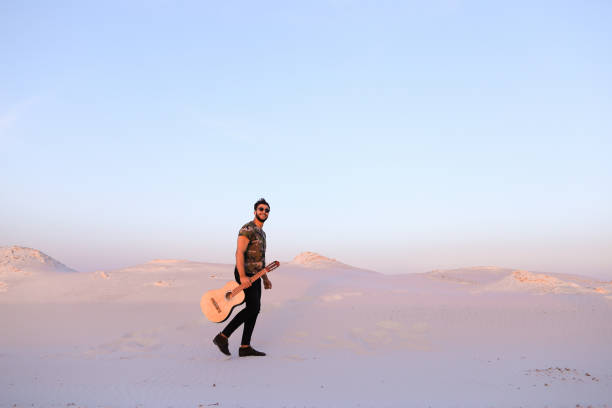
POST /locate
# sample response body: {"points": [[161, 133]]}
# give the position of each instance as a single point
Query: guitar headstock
{"points": [[272, 266]]}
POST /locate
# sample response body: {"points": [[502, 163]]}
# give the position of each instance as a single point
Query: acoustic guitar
{"points": [[217, 305]]}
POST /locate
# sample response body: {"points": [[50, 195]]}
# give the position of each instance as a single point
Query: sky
{"points": [[396, 136]]}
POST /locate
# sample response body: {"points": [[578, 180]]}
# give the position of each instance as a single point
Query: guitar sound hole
{"points": [[227, 295]]}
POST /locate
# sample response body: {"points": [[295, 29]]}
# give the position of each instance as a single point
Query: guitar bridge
{"points": [[214, 302]]}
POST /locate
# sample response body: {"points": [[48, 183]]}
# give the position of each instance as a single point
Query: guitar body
{"points": [[217, 305]]}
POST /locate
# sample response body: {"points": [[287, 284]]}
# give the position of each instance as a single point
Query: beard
{"points": [[262, 220]]}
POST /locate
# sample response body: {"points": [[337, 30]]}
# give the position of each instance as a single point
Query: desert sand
{"points": [[336, 336]]}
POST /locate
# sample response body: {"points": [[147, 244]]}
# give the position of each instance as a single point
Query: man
{"points": [[250, 259]]}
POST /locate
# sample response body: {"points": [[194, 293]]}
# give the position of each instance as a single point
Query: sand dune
{"points": [[335, 336], [493, 279], [16, 259], [314, 260]]}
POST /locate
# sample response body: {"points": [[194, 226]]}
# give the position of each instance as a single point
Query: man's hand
{"points": [[267, 283], [245, 281]]}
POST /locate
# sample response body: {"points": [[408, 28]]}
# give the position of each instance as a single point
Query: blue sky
{"points": [[396, 136]]}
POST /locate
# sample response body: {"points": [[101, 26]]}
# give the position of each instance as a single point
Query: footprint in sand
{"points": [[295, 357], [563, 374], [296, 337], [102, 274], [339, 296], [133, 343], [389, 333], [160, 284]]}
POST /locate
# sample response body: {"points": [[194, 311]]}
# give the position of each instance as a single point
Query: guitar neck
{"points": [[258, 275], [265, 270]]}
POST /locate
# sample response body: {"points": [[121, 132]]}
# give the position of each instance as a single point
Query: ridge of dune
{"points": [[313, 260], [474, 275], [24, 260], [521, 280], [497, 279], [168, 266], [168, 261]]}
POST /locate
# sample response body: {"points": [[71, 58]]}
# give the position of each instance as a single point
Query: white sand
{"points": [[335, 336]]}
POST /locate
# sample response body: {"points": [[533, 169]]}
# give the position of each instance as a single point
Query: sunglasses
{"points": [[267, 210]]}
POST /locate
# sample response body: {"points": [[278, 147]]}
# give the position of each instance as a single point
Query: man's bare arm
{"points": [[241, 247], [267, 282]]}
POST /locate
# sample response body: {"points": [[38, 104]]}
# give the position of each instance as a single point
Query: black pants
{"points": [[248, 315]]}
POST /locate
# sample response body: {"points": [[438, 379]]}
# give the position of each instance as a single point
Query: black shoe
{"points": [[221, 342], [249, 351]]}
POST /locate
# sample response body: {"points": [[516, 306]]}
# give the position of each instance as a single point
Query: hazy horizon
{"points": [[117, 266]]}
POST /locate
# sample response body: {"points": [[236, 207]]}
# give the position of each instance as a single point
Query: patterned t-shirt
{"points": [[255, 255]]}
